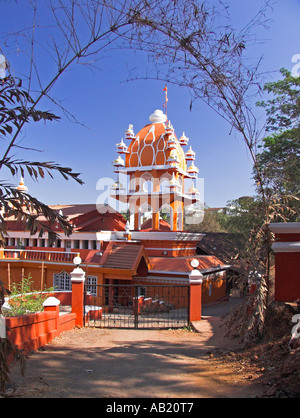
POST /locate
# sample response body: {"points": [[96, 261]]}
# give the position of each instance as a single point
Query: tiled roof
{"points": [[183, 264], [122, 256], [95, 221], [220, 244], [83, 217]]}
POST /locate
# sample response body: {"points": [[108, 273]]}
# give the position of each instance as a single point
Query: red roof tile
{"points": [[183, 264], [123, 256]]}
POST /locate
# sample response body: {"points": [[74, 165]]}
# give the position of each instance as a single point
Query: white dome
{"points": [[158, 116]]}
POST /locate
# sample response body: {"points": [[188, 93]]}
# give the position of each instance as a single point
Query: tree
{"points": [[279, 159], [279, 165], [211, 222], [15, 112]]}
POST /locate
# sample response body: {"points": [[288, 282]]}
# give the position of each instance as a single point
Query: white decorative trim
{"points": [[184, 273], [151, 167], [51, 301], [195, 277], [285, 227], [2, 327], [171, 280], [77, 275], [174, 273], [167, 236], [286, 247], [195, 281], [170, 249]]}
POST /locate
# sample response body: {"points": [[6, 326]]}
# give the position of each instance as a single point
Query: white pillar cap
{"points": [[195, 277], [2, 327], [51, 301], [77, 275]]}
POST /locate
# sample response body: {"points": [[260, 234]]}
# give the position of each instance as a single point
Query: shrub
{"points": [[24, 300]]}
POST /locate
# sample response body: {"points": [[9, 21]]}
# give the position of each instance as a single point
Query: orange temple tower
{"points": [[156, 166]]}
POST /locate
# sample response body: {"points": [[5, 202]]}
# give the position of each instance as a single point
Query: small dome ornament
{"points": [[173, 184], [118, 162], [21, 187], [190, 155], [121, 148], [117, 185], [193, 191], [129, 134], [183, 140], [169, 128], [171, 143], [173, 156], [193, 170], [117, 188]]}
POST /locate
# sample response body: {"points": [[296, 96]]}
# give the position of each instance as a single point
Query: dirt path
{"points": [[105, 363]]}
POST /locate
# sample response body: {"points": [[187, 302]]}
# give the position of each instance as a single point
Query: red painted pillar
{"points": [[287, 260], [195, 308], [51, 304], [77, 280]]}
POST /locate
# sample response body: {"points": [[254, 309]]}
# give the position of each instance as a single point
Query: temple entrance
{"points": [[136, 306]]}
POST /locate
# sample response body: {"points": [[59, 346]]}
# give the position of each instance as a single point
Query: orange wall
{"points": [[34, 270], [32, 331], [218, 290]]}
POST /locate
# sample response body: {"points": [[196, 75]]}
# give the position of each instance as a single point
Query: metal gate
{"points": [[136, 306]]}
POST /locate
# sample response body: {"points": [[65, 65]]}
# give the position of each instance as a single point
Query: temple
{"points": [[143, 249]]}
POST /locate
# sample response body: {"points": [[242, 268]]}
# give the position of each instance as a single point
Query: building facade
{"points": [[117, 251]]}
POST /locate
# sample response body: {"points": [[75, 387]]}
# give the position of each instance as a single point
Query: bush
{"points": [[24, 300]]}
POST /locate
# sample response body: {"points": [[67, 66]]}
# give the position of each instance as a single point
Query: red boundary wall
{"points": [[32, 331]]}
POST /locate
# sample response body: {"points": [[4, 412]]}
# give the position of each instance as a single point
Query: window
{"points": [[62, 281], [142, 291], [91, 282]]}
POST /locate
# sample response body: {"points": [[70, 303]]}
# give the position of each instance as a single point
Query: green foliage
{"points": [[24, 299], [277, 176], [279, 159], [241, 216], [284, 109], [212, 222], [17, 108]]}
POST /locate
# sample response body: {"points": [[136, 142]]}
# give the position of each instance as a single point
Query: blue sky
{"points": [[106, 104]]}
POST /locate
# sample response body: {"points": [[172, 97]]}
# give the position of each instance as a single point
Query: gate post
{"points": [[77, 280], [195, 281]]}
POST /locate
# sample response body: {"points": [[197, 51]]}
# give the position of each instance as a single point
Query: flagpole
{"points": [[166, 100]]}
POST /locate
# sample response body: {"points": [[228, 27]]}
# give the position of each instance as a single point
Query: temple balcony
{"points": [[37, 255]]}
